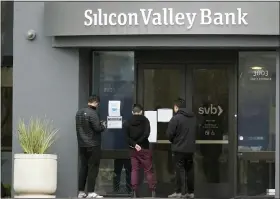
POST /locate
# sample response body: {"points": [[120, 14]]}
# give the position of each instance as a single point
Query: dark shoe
{"points": [[153, 194]]}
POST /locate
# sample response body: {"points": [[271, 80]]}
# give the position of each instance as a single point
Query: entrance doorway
{"points": [[209, 92]]}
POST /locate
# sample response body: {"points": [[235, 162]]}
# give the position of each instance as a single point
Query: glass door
{"points": [[209, 90], [158, 86], [213, 102]]}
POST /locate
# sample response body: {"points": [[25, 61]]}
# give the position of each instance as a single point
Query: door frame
{"points": [[188, 92]]}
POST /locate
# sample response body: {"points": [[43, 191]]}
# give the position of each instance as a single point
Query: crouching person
{"points": [[137, 129]]}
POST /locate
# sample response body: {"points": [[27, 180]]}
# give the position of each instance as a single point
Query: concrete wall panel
{"points": [[46, 83]]}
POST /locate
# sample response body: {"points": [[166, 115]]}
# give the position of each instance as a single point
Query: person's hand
{"points": [[103, 123], [137, 147]]}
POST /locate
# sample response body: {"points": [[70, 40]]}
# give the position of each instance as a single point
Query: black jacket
{"points": [[181, 132], [137, 130], [88, 127]]}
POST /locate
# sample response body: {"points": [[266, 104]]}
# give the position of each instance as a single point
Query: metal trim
{"points": [[159, 41], [198, 142], [277, 132]]}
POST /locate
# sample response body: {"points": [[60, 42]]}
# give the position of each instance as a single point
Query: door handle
{"points": [[211, 142], [198, 142]]}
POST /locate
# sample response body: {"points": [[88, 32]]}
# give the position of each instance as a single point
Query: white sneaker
{"points": [[190, 195], [175, 195], [82, 194], [94, 195]]}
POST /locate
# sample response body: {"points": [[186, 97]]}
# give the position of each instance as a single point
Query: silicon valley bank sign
{"points": [[165, 17]]}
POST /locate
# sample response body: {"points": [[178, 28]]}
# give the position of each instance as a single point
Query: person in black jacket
{"points": [[181, 132], [89, 128], [137, 129]]}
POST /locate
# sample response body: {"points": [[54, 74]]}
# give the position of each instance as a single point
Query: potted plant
{"points": [[35, 171]]}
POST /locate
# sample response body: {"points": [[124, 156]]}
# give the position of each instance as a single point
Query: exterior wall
{"points": [[46, 82], [262, 18]]}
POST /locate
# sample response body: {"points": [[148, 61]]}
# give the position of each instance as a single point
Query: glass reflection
{"points": [[256, 121], [210, 103], [255, 177], [119, 166], [161, 88], [256, 101], [116, 171], [114, 80]]}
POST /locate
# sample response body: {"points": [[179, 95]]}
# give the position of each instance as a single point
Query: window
{"points": [[256, 122], [256, 101], [7, 18], [114, 80]]}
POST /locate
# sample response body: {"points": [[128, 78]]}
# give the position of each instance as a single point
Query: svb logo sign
{"points": [[211, 109]]}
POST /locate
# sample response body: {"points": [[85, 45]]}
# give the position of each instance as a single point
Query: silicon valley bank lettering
{"points": [[167, 17]]}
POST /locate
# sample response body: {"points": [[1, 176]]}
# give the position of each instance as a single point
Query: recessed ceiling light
{"points": [[256, 68]]}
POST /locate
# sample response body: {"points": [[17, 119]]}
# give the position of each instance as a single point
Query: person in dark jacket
{"points": [[137, 129], [181, 133], [88, 129]]}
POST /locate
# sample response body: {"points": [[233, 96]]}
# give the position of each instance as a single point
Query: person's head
{"points": [[178, 103], [94, 101], [137, 109]]}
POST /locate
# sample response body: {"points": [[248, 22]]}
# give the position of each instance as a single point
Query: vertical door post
{"points": [[277, 133]]}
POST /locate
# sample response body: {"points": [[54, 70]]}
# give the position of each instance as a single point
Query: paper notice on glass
{"points": [[114, 108], [114, 122], [164, 114], [152, 117]]}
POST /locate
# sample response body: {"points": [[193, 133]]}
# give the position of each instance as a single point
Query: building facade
{"points": [[222, 57]]}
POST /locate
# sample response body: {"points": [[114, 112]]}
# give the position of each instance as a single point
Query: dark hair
{"points": [[180, 103], [137, 108], [93, 98]]}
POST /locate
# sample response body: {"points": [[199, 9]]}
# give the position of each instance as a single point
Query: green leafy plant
{"points": [[37, 136], [7, 188]]}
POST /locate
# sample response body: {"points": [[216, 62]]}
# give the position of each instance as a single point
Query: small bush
{"points": [[37, 136]]}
